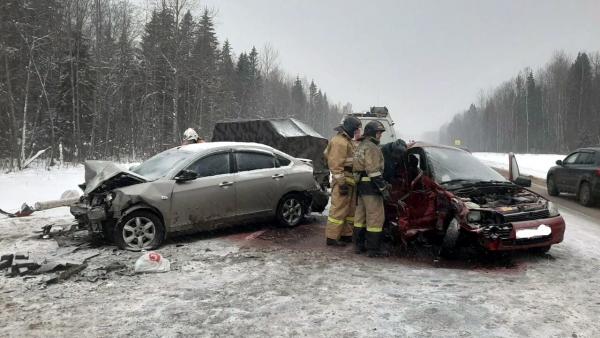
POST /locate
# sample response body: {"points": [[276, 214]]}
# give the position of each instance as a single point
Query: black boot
{"points": [[358, 237], [346, 239], [335, 242], [373, 244]]}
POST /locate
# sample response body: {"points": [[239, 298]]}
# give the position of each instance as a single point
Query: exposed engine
{"points": [[493, 208], [504, 199]]}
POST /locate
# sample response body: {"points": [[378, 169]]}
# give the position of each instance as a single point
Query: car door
{"points": [[258, 183], [583, 166], [208, 202], [421, 199], [566, 174]]}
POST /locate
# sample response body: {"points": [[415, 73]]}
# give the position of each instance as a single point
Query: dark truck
{"points": [[578, 173], [285, 134]]}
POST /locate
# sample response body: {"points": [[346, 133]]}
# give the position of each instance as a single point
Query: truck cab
{"points": [[382, 115]]}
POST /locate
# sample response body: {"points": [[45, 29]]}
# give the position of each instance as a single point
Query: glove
{"points": [[379, 182], [386, 195], [344, 189]]}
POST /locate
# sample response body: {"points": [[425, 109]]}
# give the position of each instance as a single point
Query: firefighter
{"points": [[340, 155], [191, 136], [372, 189]]}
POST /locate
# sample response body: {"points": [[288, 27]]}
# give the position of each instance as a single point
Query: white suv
{"points": [[382, 115]]}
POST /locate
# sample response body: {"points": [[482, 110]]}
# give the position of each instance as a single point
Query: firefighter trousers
{"points": [[370, 213], [341, 212]]}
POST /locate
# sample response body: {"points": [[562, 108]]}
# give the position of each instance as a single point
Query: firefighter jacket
{"points": [[368, 167], [340, 156]]}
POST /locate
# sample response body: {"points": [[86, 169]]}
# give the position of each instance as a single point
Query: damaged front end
{"points": [[93, 211], [508, 217]]}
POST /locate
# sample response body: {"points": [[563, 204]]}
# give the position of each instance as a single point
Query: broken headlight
{"points": [[553, 209], [474, 216], [109, 197], [478, 218]]}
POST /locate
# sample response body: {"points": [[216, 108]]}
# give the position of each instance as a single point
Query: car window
{"points": [[571, 159], [453, 164], [252, 161], [212, 165], [282, 161], [585, 158], [160, 164]]}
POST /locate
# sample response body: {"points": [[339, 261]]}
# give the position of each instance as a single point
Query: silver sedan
{"points": [[195, 187]]}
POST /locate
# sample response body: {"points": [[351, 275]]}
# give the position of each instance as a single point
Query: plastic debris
{"points": [[152, 262]]}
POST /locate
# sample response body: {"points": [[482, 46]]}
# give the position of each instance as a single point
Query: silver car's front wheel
{"points": [[291, 210], [140, 230]]}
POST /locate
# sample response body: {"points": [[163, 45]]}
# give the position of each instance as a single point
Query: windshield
{"points": [[458, 165], [159, 165]]}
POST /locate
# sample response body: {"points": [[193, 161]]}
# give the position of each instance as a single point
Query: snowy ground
{"points": [[536, 165], [39, 184], [262, 281]]}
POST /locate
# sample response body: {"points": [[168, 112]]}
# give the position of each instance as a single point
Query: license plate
{"points": [[542, 230]]}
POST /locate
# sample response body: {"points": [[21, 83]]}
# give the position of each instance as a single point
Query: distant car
{"points": [[446, 194], [194, 188], [578, 173]]}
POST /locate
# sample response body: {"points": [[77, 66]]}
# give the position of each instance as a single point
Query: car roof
{"points": [[589, 148], [420, 144], [202, 147]]}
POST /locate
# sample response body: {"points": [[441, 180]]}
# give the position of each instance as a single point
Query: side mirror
{"points": [[559, 162], [186, 175], [523, 181]]}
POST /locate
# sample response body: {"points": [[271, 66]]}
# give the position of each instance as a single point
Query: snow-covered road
{"points": [[285, 282], [536, 165]]}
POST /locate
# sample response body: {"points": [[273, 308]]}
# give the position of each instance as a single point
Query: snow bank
{"points": [[38, 184], [536, 165]]}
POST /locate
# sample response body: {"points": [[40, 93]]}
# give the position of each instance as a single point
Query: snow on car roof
{"points": [[421, 144], [199, 147]]}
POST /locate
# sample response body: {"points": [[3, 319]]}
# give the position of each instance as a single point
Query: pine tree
{"points": [[298, 100], [206, 53], [579, 112], [226, 100]]}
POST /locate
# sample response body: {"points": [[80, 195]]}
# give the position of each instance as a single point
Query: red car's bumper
{"points": [[556, 224]]}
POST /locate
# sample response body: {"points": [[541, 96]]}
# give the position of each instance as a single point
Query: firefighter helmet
{"points": [[372, 128]]}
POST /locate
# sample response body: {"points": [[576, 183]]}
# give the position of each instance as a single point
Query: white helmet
{"points": [[190, 135]]}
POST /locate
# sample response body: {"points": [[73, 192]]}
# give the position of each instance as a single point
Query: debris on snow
{"points": [[25, 210], [72, 270], [152, 262]]}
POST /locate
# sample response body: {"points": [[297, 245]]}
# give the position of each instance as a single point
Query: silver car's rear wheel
{"points": [[140, 230], [291, 210]]}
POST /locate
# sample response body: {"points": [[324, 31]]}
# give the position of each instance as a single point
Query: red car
{"points": [[447, 194]]}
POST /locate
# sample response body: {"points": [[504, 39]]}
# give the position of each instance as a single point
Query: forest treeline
{"points": [[553, 110], [102, 79]]}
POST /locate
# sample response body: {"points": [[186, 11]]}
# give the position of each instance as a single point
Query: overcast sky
{"points": [[424, 60]]}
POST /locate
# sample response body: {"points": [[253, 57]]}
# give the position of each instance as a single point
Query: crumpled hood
{"points": [[105, 175]]}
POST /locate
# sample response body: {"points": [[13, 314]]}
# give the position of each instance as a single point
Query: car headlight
{"points": [[553, 209], [109, 197], [474, 216]]}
